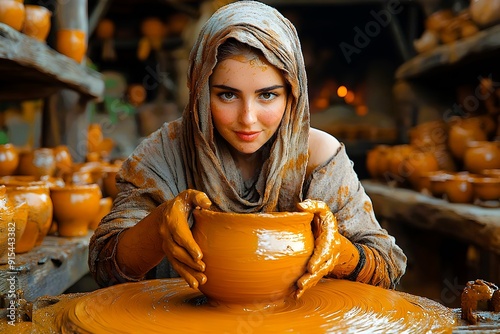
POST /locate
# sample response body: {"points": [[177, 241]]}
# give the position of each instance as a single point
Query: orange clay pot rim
{"points": [[30, 185], [275, 214], [76, 187], [486, 179]]}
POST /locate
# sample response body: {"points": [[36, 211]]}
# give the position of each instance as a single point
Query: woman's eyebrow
{"points": [[260, 90]]}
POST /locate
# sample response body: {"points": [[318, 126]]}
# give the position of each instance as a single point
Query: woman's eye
{"points": [[227, 96], [268, 96]]}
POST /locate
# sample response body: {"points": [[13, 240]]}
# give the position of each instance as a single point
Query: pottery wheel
{"points": [[161, 306]]}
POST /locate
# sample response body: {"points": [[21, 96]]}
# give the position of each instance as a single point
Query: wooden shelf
{"points": [[30, 69], [470, 223], [484, 45], [48, 269]]}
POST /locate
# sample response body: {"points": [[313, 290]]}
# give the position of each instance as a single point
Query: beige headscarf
{"points": [[210, 167]]}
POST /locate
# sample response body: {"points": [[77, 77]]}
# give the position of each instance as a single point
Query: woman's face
{"points": [[247, 100]]}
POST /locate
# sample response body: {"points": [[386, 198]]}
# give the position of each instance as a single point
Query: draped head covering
{"points": [[210, 167]]}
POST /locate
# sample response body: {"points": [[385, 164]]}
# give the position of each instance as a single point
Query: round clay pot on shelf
{"points": [[481, 155], [75, 207], [437, 183], [462, 131], [9, 159], [37, 22], [417, 163], [397, 174], [12, 13], [252, 258], [6, 214], [37, 197], [37, 162], [458, 188], [487, 190]]}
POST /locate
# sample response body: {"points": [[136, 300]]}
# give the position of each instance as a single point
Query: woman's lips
{"points": [[247, 135]]}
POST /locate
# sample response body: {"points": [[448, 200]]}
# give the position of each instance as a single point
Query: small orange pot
{"points": [[72, 43], [12, 13], [37, 22], [9, 159]]}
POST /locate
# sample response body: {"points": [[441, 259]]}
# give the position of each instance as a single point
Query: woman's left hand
{"points": [[326, 245]]}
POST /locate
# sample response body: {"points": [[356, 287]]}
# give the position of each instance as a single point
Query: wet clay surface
{"points": [[161, 306]]}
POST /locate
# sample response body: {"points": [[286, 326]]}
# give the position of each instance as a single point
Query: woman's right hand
{"points": [[181, 249]]}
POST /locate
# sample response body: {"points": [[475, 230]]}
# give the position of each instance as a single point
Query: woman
{"points": [[243, 144]]}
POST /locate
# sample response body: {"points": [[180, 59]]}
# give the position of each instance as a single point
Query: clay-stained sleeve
{"points": [[337, 184]]}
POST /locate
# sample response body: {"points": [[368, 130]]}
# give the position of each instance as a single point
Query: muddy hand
{"points": [[326, 245], [181, 249]]}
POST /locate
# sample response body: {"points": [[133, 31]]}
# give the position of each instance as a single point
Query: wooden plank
{"points": [[48, 269], [467, 222], [24, 60], [485, 44]]}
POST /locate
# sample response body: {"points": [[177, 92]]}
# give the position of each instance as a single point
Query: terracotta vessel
{"points": [[109, 180], [37, 197], [462, 131], [252, 259], [486, 188], [105, 205], [437, 182], [75, 207], [63, 158], [458, 188], [417, 163], [376, 161], [72, 43], [37, 22], [481, 155], [12, 13], [6, 215], [9, 159], [429, 134], [396, 170], [37, 162]]}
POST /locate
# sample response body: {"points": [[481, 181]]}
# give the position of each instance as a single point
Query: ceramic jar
{"points": [[482, 155], [462, 131], [458, 188], [37, 22], [105, 205], [487, 190], [63, 159], [376, 161], [485, 13], [252, 258], [109, 180], [37, 162], [6, 215], [9, 159], [75, 207], [12, 13], [417, 163], [396, 170], [437, 181], [37, 197], [71, 37]]}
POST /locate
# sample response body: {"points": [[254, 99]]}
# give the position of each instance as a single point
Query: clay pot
{"points": [[429, 135], [396, 169], [37, 22], [462, 131], [64, 161], [37, 197], [12, 13], [6, 215], [105, 205], [417, 163], [109, 180], [252, 258], [486, 188], [439, 20], [72, 43], [485, 13], [482, 155], [458, 188], [376, 161], [37, 162], [75, 207], [9, 159], [437, 182]]}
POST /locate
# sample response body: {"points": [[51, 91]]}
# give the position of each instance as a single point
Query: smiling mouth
{"points": [[248, 136]]}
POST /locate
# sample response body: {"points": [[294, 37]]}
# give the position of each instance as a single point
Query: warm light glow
{"points": [[361, 110], [349, 97], [342, 91]]}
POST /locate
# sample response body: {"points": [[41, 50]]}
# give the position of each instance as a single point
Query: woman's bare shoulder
{"points": [[322, 147]]}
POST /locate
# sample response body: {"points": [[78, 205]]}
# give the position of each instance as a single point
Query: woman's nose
{"points": [[248, 114]]}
